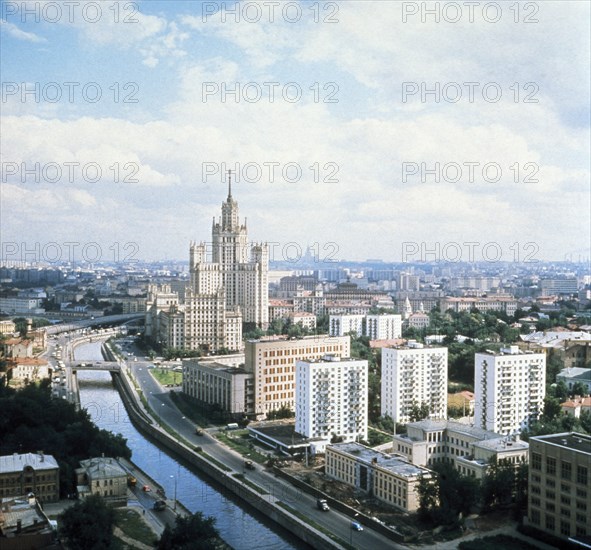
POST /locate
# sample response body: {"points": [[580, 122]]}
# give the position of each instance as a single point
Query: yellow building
{"points": [[390, 479], [21, 474]]}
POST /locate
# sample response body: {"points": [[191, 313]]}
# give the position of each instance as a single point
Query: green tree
{"points": [[88, 524], [418, 412], [194, 532], [498, 483]]}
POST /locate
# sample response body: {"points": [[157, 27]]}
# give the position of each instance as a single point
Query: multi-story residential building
{"points": [[468, 448], [509, 389], [476, 282], [222, 293], [559, 485], [559, 286], [388, 478], [331, 398], [38, 473], [105, 477], [414, 375], [220, 380], [304, 319], [340, 325], [272, 361], [375, 327]]}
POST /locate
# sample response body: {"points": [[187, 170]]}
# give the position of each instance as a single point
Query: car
{"points": [[321, 504], [198, 431], [160, 505], [249, 464], [146, 488], [355, 525]]}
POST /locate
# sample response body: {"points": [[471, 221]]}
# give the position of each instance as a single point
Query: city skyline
{"points": [[368, 117]]}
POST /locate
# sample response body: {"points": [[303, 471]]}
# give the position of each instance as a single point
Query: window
{"points": [[582, 475], [564, 528], [535, 517], [550, 523], [565, 469], [536, 461], [550, 466], [565, 512]]}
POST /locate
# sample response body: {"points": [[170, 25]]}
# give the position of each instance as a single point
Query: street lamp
{"points": [[174, 503]]}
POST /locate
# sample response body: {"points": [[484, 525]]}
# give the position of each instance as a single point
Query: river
{"points": [[237, 526]]}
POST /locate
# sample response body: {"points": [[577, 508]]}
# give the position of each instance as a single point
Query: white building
{"points": [[414, 375], [509, 389], [331, 398], [375, 327], [341, 325]]}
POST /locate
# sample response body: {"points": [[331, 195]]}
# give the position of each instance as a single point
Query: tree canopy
{"points": [[194, 532]]}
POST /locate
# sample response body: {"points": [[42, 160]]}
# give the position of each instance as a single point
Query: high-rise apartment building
{"points": [[375, 327], [273, 360], [414, 375], [509, 389], [228, 286], [331, 398], [559, 485]]}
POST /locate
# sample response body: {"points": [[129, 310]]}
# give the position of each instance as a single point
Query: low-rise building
{"points": [[462, 400], [467, 448], [29, 369], [559, 486], [7, 327], [220, 381], [575, 375], [105, 477], [24, 525], [38, 473], [576, 406], [390, 479]]}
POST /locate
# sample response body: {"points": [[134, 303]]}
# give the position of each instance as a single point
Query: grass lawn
{"points": [[132, 524], [241, 442], [495, 542], [166, 376]]}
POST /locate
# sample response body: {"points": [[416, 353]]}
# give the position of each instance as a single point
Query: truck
{"points": [[322, 504]]}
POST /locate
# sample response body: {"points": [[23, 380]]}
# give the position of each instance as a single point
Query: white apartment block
{"points": [[509, 389], [341, 325], [414, 375], [375, 327], [273, 363], [331, 398]]}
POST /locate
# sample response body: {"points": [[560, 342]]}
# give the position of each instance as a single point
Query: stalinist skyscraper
{"points": [[224, 291]]}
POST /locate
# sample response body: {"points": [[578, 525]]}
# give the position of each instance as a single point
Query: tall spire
{"points": [[229, 184]]}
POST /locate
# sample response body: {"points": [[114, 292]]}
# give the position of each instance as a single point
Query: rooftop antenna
{"points": [[229, 184]]}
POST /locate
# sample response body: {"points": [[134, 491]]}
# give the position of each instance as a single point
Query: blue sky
{"points": [[368, 148]]}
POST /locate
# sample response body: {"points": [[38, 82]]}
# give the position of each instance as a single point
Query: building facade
{"points": [[559, 485], [414, 375], [375, 327], [388, 478], [331, 398], [21, 474], [215, 383], [272, 361], [509, 389], [105, 477]]}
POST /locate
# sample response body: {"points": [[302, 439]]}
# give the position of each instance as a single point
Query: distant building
{"points": [[575, 375], [462, 400], [104, 477], [331, 398], [576, 406], [390, 479], [29, 368], [559, 286], [304, 319], [21, 474], [375, 327], [467, 448], [7, 327], [509, 389], [483, 305], [559, 486], [414, 375]]}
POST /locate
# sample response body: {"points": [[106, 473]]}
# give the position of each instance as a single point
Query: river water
{"points": [[237, 526]]}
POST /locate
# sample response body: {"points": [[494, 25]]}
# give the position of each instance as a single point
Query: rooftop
{"points": [[26, 511], [99, 468], [37, 461], [501, 444], [574, 441], [394, 463], [459, 427], [576, 372]]}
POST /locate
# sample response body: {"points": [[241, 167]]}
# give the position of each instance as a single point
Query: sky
{"points": [[393, 130]]}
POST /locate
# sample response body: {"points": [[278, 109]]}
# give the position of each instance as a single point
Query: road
{"points": [[280, 490]]}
